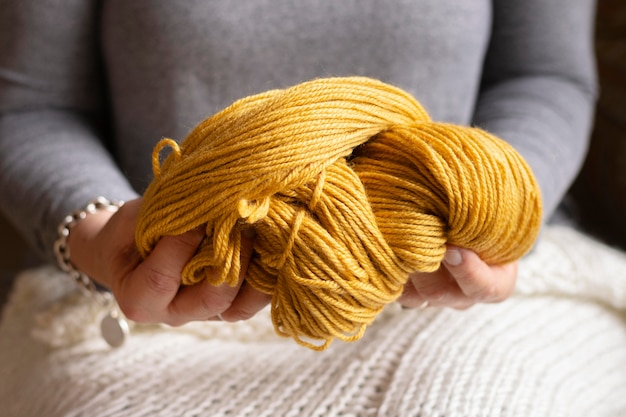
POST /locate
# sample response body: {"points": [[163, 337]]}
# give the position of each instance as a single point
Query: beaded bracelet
{"points": [[113, 326]]}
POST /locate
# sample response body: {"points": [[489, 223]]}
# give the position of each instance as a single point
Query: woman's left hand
{"points": [[462, 281]]}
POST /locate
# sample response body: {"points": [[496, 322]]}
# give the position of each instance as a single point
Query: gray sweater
{"points": [[88, 87]]}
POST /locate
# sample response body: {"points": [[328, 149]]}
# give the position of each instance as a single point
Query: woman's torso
{"points": [[171, 64]]}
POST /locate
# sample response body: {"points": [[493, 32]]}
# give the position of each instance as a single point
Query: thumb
{"points": [[466, 267]]}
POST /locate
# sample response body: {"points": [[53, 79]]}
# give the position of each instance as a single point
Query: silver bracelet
{"points": [[113, 326], [62, 251]]}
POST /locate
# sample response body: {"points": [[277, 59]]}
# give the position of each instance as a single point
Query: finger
{"points": [[205, 300], [246, 304], [200, 302], [438, 288], [147, 292], [410, 298], [478, 280]]}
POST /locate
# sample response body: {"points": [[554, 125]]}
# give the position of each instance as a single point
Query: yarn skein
{"points": [[349, 187]]}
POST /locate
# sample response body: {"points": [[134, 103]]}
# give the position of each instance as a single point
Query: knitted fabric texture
{"points": [[350, 187], [556, 348]]}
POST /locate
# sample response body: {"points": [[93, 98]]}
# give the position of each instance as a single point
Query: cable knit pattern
{"points": [[556, 348]]}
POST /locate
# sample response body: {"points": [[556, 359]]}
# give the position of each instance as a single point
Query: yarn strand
{"points": [[349, 187]]}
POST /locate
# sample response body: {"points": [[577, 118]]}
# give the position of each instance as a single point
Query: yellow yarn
{"points": [[350, 187]]}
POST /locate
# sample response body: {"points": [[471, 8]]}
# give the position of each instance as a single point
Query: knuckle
{"points": [[509, 291], [433, 293], [213, 302], [160, 282], [471, 273], [238, 314], [502, 294], [486, 293]]}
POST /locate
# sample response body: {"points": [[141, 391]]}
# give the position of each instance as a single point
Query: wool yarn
{"points": [[349, 187]]}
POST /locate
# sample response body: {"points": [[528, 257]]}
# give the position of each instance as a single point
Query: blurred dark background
{"points": [[599, 192]]}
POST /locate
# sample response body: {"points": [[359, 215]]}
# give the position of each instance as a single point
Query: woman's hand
{"points": [[150, 291], [462, 281]]}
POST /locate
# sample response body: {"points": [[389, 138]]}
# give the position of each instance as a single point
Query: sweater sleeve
{"points": [[52, 114], [539, 87]]}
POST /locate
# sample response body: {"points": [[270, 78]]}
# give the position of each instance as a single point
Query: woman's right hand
{"points": [[149, 291]]}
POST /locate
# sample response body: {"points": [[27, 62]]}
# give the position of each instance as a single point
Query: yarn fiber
{"points": [[349, 187]]}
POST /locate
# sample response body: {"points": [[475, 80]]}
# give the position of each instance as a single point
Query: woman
{"points": [[87, 88]]}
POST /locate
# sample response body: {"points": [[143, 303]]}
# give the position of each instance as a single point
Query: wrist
{"points": [[82, 242], [76, 247]]}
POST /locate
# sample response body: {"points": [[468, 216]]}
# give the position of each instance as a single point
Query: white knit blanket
{"points": [[556, 348]]}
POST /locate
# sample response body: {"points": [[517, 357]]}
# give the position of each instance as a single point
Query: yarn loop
{"points": [[349, 187]]}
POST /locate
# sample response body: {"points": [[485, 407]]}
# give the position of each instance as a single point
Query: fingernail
{"points": [[453, 257]]}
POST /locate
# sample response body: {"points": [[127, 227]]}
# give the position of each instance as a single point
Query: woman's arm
{"points": [[52, 117], [54, 160], [539, 87], [538, 93]]}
